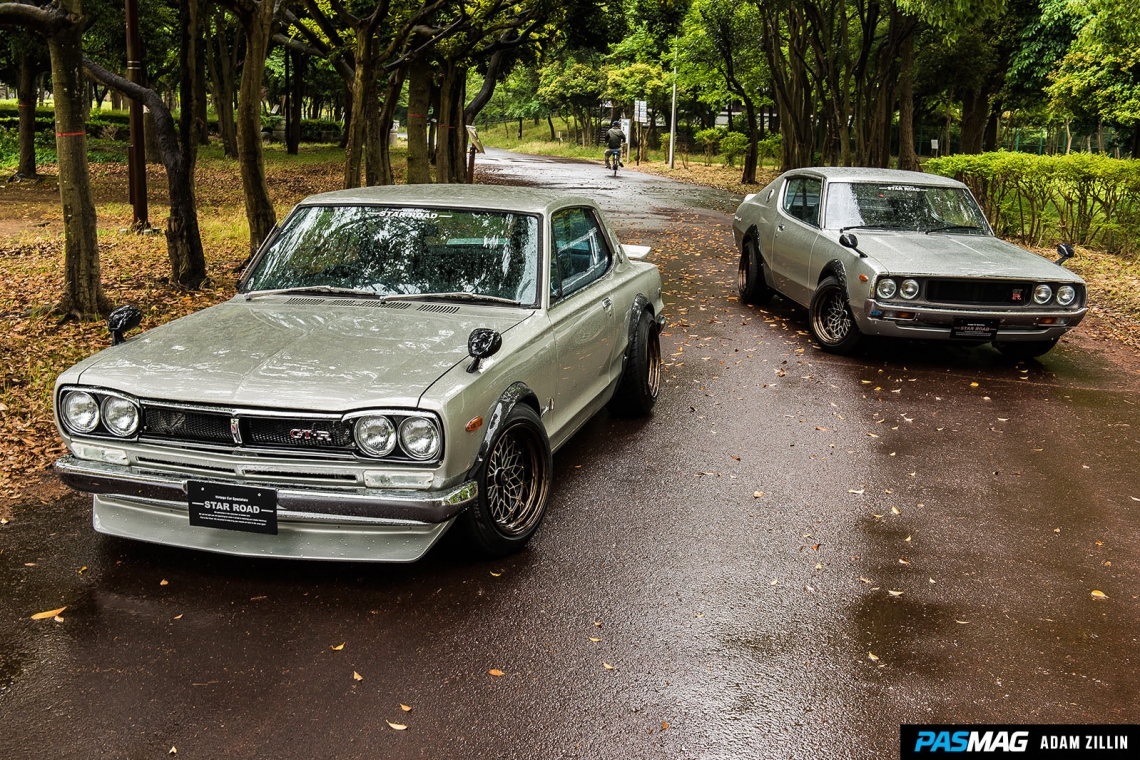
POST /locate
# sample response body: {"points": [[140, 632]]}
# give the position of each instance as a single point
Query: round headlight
{"points": [[909, 288], [1066, 294], [886, 288], [375, 435], [419, 438], [80, 411], [120, 416], [1042, 293]]}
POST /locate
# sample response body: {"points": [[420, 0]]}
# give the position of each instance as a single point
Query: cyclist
{"points": [[615, 138]]}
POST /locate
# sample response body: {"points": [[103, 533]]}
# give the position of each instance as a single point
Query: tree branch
{"points": [[48, 20]]}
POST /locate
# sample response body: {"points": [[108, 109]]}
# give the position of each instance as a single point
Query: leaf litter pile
{"points": [[36, 347]]}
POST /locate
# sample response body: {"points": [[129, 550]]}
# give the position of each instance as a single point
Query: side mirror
{"points": [[847, 240], [121, 320], [1066, 251], [636, 252], [482, 343]]}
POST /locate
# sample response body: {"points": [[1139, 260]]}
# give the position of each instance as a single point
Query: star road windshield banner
{"points": [[1035, 741]]}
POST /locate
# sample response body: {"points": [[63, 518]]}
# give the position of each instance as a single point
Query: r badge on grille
{"points": [[235, 430]]}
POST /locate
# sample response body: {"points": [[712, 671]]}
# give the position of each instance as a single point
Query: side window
{"points": [[801, 199], [581, 254]]}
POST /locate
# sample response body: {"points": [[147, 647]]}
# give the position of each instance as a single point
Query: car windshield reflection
{"points": [[378, 251], [911, 208]]}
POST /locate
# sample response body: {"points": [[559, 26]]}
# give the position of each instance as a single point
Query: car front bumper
{"points": [[377, 525], [922, 321]]}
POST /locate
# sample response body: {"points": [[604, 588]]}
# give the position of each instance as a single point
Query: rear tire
{"points": [[514, 486], [1025, 349], [750, 280], [830, 320], [641, 381]]}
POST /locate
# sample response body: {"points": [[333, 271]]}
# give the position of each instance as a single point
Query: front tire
{"points": [[514, 486], [641, 381], [830, 320], [1025, 349], [750, 275]]}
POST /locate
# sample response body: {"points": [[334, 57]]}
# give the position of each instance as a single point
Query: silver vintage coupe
{"points": [[899, 254], [395, 360]]}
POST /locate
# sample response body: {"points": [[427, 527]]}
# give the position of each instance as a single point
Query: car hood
{"points": [[950, 255], [314, 357]]}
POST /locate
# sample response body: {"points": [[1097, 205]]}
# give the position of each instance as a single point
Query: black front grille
{"points": [[297, 433], [180, 425], [991, 292]]}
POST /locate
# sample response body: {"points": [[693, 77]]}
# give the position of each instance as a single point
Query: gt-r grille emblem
{"points": [[302, 434], [235, 430], [1017, 294]]}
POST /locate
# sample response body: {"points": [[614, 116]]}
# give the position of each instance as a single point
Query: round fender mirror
{"points": [[482, 342]]}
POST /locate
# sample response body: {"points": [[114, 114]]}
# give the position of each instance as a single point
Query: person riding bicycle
{"points": [[615, 138]]}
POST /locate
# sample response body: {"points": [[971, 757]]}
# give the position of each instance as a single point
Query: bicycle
{"points": [[613, 159]]}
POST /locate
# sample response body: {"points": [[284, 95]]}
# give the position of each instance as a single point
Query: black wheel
{"points": [[830, 319], [514, 485], [641, 380], [750, 275], [1025, 349]]}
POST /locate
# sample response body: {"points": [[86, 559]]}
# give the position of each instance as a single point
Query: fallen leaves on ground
{"points": [[48, 614], [338, 647], [356, 676], [495, 672], [395, 726], [1096, 594]]}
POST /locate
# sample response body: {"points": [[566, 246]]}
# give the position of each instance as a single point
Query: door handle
{"points": [[607, 304], [779, 228]]}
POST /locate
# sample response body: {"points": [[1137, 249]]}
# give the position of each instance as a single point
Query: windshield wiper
{"points": [[453, 296], [870, 227], [327, 289], [953, 227]]}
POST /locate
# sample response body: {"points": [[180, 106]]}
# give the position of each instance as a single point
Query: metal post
{"points": [[673, 115], [136, 155]]}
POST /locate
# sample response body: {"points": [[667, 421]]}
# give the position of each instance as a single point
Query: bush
{"points": [[732, 146], [1080, 198], [708, 139], [320, 131]]}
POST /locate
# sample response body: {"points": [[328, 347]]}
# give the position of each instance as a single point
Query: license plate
{"points": [[976, 329], [231, 507]]}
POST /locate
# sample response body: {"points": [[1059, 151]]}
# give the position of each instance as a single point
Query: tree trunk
{"points": [[26, 104], [374, 135], [222, 83], [83, 291], [391, 100], [748, 175], [365, 72], [449, 164], [975, 114], [293, 138], [259, 210], [419, 95], [908, 158], [554, 137]]}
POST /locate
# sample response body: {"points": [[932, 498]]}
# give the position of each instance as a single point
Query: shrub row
{"points": [[116, 125], [1082, 198]]}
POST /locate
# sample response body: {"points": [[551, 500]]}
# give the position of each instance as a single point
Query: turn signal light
{"points": [[474, 424]]}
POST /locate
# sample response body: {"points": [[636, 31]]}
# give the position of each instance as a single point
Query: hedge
{"points": [[1081, 198]]}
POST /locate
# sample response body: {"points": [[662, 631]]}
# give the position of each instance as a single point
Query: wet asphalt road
{"points": [[994, 496]]}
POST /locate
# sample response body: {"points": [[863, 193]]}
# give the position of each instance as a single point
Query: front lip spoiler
{"points": [[314, 505]]}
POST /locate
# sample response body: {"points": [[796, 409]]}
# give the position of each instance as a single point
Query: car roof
{"points": [[863, 174], [488, 197]]}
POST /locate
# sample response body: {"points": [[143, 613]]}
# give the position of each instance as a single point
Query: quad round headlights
{"points": [[375, 436], [80, 411], [1066, 295], [886, 288], [420, 438], [1042, 293], [120, 416], [909, 289]]}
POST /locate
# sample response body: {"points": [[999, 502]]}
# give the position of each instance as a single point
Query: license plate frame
{"points": [[227, 506], [974, 329]]}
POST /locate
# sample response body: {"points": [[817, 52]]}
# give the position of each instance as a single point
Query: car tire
{"points": [[750, 280], [1025, 349], [830, 320], [641, 381], [514, 486]]}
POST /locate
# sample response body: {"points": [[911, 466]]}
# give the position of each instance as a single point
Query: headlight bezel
{"points": [[66, 414], [100, 429], [1070, 301], [891, 288], [1042, 293], [435, 448], [400, 454]]}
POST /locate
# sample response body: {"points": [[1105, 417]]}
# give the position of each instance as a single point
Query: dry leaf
{"points": [[48, 614], [597, 623], [395, 726], [178, 616], [963, 622], [774, 581], [1098, 594], [607, 666], [356, 676], [818, 566], [495, 672], [83, 569], [894, 593], [757, 494], [973, 385], [173, 750], [405, 708], [872, 656], [859, 492], [338, 647], [903, 561], [865, 580], [664, 725], [494, 574], [895, 511], [594, 640], [733, 456], [164, 582]]}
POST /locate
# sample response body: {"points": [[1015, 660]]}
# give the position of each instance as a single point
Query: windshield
{"points": [[403, 251], [903, 207]]}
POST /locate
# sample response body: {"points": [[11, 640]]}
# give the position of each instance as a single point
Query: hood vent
{"points": [[438, 308], [305, 301], [371, 304]]}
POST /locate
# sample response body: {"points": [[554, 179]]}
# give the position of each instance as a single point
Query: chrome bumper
{"points": [[933, 322], [366, 525]]}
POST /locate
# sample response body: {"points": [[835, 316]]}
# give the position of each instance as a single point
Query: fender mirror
{"points": [[482, 343], [121, 320], [847, 240], [1066, 252]]}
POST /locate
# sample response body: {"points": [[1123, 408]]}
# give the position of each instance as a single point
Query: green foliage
{"points": [[1081, 198], [1100, 75], [732, 146], [709, 139]]}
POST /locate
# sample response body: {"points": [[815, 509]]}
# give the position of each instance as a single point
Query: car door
{"points": [[796, 232], [582, 313]]}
